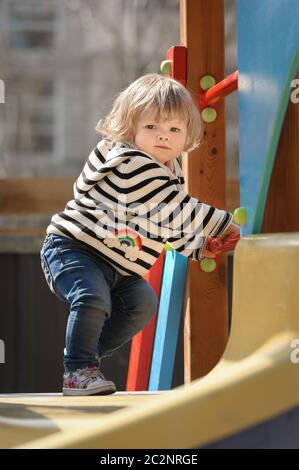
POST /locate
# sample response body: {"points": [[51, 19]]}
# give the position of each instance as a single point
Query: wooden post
{"points": [[206, 315]]}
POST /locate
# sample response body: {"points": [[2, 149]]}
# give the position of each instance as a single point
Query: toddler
{"points": [[128, 201]]}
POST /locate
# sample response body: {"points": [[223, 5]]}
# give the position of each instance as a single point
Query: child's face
{"points": [[164, 140]]}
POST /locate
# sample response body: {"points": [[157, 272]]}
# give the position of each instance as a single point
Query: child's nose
{"points": [[163, 136]]}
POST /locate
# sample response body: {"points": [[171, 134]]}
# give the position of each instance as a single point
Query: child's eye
{"points": [[150, 126], [175, 129]]}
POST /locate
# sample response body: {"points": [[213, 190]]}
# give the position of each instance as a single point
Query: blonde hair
{"points": [[157, 94]]}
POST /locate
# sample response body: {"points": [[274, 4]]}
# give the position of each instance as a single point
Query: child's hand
{"points": [[230, 238], [226, 242], [207, 251]]}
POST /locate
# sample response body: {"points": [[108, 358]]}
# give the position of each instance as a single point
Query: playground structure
{"points": [[255, 381]]}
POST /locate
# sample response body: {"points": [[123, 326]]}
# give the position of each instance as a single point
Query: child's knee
{"points": [[153, 301], [92, 302]]}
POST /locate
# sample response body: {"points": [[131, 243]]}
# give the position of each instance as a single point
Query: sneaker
{"points": [[87, 381]]}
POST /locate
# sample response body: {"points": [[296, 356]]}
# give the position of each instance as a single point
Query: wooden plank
{"points": [[30, 200], [169, 316], [34, 195], [282, 206], [206, 324]]}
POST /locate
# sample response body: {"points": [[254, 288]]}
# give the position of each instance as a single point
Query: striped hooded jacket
{"points": [[126, 205]]}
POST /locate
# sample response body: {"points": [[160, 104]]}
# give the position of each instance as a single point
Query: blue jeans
{"points": [[106, 308]]}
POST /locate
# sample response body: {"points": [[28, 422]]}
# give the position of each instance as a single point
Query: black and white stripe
{"points": [[122, 187]]}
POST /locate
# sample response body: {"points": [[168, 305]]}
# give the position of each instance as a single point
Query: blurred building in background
{"points": [[63, 62]]}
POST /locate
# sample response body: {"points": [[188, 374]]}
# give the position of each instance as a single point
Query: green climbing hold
{"points": [[168, 247], [166, 67], [207, 82], [208, 265], [240, 216], [208, 114]]}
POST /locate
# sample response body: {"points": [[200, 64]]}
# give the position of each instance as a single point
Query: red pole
{"points": [[219, 91]]}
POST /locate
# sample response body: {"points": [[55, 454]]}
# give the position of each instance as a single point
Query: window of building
{"points": [[31, 31], [31, 24]]}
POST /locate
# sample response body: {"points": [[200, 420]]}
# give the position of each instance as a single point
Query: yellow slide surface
{"points": [[254, 381]]}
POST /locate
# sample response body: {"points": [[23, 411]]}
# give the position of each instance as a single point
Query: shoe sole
{"points": [[81, 392]]}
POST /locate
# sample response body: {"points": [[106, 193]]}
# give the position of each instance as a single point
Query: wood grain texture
{"points": [[34, 195], [206, 323]]}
